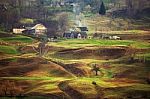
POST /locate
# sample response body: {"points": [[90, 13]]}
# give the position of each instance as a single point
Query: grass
{"points": [[141, 44], [23, 39], [10, 59], [103, 23], [45, 88], [8, 49], [89, 80], [35, 78], [134, 90], [146, 55], [83, 87], [75, 81], [76, 43], [69, 61]]}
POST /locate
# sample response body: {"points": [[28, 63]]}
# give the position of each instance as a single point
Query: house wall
{"points": [[18, 31], [40, 31]]}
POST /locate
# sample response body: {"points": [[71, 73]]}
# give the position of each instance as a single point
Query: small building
{"points": [[68, 35], [85, 29], [73, 35], [37, 30], [78, 32], [18, 30]]}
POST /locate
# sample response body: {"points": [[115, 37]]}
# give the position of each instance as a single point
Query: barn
{"points": [[37, 30]]}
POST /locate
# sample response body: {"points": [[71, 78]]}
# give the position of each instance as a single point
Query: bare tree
{"points": [[62, 22], [96, 69], [95, 5], [42, 48]]}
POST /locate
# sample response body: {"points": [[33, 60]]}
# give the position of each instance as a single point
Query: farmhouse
{"points": [[37, 30], [79, 33], [84, 29], [18, 30]]}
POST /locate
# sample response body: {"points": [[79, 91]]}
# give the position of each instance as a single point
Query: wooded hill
{"points": [[13, 11]]}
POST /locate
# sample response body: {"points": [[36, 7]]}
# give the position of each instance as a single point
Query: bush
{"points": [[26, 21]]}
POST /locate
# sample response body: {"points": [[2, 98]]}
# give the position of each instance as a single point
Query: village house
{"points": [[73, 35], [37, 30], [79, 33], [18, 30]]}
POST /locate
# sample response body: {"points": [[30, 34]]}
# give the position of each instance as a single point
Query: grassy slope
{"points": [[117, 88], [8, 49], [106, 24], [83, 85], [22, 39], [76, 43]]}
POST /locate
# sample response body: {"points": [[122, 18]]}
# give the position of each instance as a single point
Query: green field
{"points": [[23, 39], [65, 67], [8, 49], [112, 62], [11, 46], [76, 43]]}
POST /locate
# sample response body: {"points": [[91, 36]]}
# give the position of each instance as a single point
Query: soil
{"points": [[96, 53], [78, 69], [31, 67], [2, 35]]}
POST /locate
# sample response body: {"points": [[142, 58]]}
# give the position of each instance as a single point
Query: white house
{"points": [[39, 29], [18, 31]]}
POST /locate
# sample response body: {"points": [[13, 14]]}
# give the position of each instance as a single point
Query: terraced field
{"points": [[65, 72]]}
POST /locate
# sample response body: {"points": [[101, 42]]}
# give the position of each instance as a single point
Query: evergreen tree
{"points": [[102, 9]]}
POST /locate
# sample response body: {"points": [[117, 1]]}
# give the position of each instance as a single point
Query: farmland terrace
{"points": [[66, 70]]}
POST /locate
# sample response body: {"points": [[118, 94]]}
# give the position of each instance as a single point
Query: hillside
{"points": [[137, 6], [65, 71], [74, 49]]}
